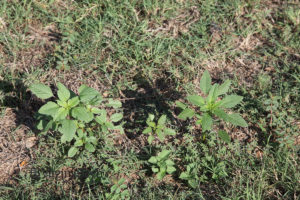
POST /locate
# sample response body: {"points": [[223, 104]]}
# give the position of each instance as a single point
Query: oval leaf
{"points": [[73, 102], [196, 100], [63, 93], [230, 101], [224, 136], [86, 93], [89, 147], [49, 108], [82, 114], [114, 103], [205, 82], [60, 114], [162, 120], [180, 105], [171, 169], [164, 154], [72, 152], [147, 130], [116, 117], [68, 130], [150, 139], [237, 120], [186, 113], [206, 122], [223, 89], [170, 131], [41, 91]]}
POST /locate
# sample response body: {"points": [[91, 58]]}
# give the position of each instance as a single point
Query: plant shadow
{"points": [[15, 95], [148, 98]]}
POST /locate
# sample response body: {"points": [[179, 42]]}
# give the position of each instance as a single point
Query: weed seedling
{"points": [[212, 106], [77, 118], [158, 128], [162, 164]]}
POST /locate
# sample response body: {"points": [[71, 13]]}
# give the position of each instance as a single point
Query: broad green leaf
{"points": [[152, 160], [96, 110], [109, 125], [114, 103], [163, 155], [49, 108], [186, 113], [96, 101], [160, 135], [206, 122], [72, 152], [184, 176], [192, 183], [63, 93], [160, 175], [92, 140], [180, 105], [155, 169], [171, 169], [170, 131], [80, 133], [198, 122], [73, 102], [237, 120], [78, 143], [102, 118], [212, 96], [150, 139], [230, 101], [151, 124], [60, 114], [223, 89], [116, 117], [221, 114], [196, 100], [62, 103], [150, 117], [81, 113], [169, 162], [68, 129], [41, 91], [205, 82], [89, 147], [162, 120], [51, 124], [41, 124], [224, 136], [86, 93], [147, 130]]}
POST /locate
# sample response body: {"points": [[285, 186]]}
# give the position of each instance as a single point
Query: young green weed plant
{"points": [[162, 164], [77, 117], [158, 128], [118, 191], [212, 106]]}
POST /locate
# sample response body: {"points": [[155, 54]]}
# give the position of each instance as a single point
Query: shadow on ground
{"points": [[16, 96], [148, 98]]}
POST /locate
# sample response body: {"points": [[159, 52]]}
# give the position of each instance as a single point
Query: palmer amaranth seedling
{"points": [[78, 118], [212, 106]]}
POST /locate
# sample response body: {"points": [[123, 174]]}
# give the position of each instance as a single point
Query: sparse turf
{"points": [[149, 54]]}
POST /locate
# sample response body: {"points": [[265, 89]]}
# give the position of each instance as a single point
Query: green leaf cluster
{"points": [[190, 175], [162, 164], [157, 128], [76, 117], [213, 105], [118, 191]]}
